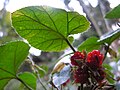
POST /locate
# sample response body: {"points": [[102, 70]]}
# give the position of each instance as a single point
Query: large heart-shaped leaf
{"points": [[48, 28], [114, 13], [11, 56]]}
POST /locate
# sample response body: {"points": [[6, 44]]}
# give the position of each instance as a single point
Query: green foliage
{"points": [[109, 37], [29, 79], [107, 66], [11, 56], [94, 43], [109, 74], [48, 28], [3, 82], [89, 44], [114, 13]]}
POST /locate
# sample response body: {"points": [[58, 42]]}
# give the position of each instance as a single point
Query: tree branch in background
{"points": [[86, 9]]}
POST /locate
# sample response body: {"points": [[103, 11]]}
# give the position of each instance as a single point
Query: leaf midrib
{"points": [[63, 37]]}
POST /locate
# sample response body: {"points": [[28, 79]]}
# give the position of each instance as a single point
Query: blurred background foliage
{"points": [[99, 26]]}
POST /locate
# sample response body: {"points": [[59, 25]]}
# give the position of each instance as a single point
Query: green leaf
{"points": [[11, 56], [29, 79], [110, 80], [107, 66], [89, 44], [48, 28], [3, 83], [109, 76], [109, 37], [114, 13]]}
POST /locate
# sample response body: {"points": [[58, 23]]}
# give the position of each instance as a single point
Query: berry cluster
{"points": [[87, 66]]}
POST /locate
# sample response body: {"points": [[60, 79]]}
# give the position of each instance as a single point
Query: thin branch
{"points": [[90, 17], [36, 71], [38, 75]]}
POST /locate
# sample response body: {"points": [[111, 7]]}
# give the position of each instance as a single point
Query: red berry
{"points": [[94, 59], [77, 58]]}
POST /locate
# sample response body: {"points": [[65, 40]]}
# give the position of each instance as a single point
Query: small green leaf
{"points": [[47, 28], [114, 13], [109, 37], [109, 76], [110, 80], [11, 56], [107, 66], [29, 79], [89, 44]]}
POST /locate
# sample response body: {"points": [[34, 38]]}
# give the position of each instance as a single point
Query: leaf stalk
{"points": [[70, 45]]}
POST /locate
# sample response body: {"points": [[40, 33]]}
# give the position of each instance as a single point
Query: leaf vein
{"points": [[7, 71]]}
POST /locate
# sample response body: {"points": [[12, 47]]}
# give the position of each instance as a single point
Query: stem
{"points": [[24, 83], [106, 48], [80, 87], [40, 81], [70, 45], [36, 71], [94, 87]]}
